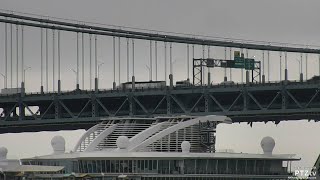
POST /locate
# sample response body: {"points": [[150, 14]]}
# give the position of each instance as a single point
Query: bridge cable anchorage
{"points": [[90, 61], [53, 59], [17, 53], [128, 61], [83, 49], [156, 58], [75, 27]]}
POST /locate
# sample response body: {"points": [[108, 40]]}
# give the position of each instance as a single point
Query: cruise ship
{"points": [[160, 148]]}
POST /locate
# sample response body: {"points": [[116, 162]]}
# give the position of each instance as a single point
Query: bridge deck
{"points": [[81, 109]]}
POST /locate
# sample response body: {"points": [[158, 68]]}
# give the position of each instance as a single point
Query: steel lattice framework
{"points": [[81, 109]]}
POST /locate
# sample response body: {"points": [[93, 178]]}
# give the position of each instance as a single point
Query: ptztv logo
{"points": [[306, 172]]}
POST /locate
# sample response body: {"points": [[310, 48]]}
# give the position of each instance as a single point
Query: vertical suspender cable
{"points": [[128, 63], [268, 65], [286, 60], [165, 62], [301, 64], [319, 64], [262, 62], [119, 59], [156, 58], [132, 57], [82, 43], [22, 55], [77, 73], [209, 70], [90, 61], [114, 58], [53, 59], [193, 60], [230, 67], [150, 60], [203, 67], [306, 66], [41, 58], [225, 58], [17, 44], [188, 63], [241, 68], [6, 55], [96, 56], [11, 56], [280, 66], [171, 68], [59, 57], [47, 60]]}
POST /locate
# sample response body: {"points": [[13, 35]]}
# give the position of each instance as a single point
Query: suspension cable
{"points": [[82, 44], [230, 67], [6, 56], [119, 58], [114, 58], [171, 68], [22, 55], [96, 56], [188, 64], [47, 61], [17, 46], [77, 73], [59, 57], [90, 61], [132, 57], [11, 56], [53, 59], [156, 58], [165, 61], [150, 61], [128, 61]]}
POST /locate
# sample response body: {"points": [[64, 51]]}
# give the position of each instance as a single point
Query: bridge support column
{"points": [[23, 90], [247, 77], [59, 86], [263, 79], [301, 77], [133, 83], [286, 74], [171, 81], [209, 79], [96, 87]]}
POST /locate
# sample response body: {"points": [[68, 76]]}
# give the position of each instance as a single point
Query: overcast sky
{"points": [[292, 21]]}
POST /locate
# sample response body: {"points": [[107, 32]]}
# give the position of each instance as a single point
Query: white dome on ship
{"points": [[123, 142], [267, 145], [3, 153], [58, 144], [185, 146]]}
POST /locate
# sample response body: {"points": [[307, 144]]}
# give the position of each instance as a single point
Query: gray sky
{"points": [[292, 21]]}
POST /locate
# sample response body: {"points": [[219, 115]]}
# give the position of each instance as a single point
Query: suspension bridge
{"points": [[251, 98]]}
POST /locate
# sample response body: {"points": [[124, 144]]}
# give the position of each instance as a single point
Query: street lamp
{"points": [[24, 73], [75, 72], [99, 65], [4, 80]]}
